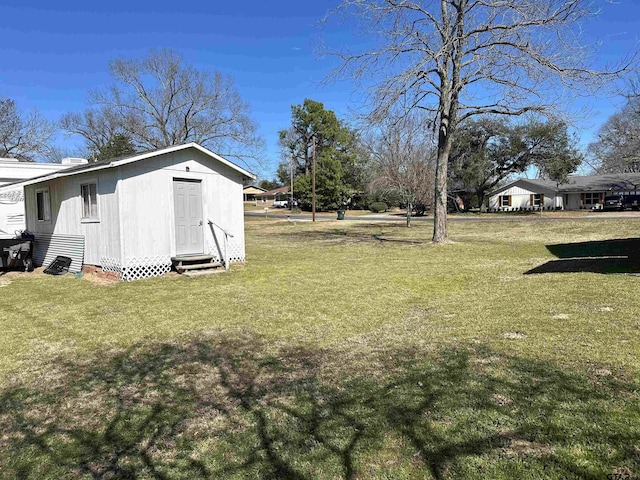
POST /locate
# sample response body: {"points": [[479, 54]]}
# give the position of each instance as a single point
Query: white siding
{"points": [[523, 201], [516, 190], [521, 197], [146, 195], [102, 238]]}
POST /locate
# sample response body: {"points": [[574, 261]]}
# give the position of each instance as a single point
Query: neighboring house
{"points": [[251, 193], [277, 196], [131, 215], [580, 192], [11, 198]]}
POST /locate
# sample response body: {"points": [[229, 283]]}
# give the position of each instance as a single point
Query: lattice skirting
{"points": [[138, 268], [235, 252], [154, 266]]}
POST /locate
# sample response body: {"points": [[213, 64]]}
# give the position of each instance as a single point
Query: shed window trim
{"points": [[43, 205], [505, 200], [89, 198]]}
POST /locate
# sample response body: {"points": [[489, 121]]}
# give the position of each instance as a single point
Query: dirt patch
{"points": [[518, 447], [560, 316], [501, 400], [99, 280]]}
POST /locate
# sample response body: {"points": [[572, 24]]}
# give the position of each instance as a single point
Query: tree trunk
{"points": [[480, 201], [409, 208], [440, 234]]}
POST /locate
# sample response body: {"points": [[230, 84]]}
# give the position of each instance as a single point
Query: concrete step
{"points": [[191, 258], [200, 266], [200, 273]]}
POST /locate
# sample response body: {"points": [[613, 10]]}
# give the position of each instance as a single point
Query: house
{"points": [[251, 193], [135, 215], [277, 196], [580, 192], [11, 198]]}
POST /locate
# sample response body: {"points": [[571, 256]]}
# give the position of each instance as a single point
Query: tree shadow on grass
{"points": [[602, 256], [363, 233], [232, 407]]}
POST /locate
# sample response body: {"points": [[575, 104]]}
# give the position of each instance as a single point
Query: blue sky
{"points": [[53, 53]]}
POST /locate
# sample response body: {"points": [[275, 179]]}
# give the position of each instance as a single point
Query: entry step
{"points": [[191, 258]]}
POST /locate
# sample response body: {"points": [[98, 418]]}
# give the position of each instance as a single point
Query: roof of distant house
{"points": [[277, 190], [583, 183], [253, 189]]}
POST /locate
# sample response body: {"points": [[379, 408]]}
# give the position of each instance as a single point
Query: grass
{"points": [[340, 350]]}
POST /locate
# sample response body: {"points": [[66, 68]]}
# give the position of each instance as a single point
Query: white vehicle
{"points": [[280, 203]]}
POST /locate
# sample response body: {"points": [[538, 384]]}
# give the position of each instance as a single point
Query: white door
{"points": [[187, 198], [573, 201]]}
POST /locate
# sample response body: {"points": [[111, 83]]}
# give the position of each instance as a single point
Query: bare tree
{"points": [[403, 161], [458, 58], [617, 147], [26, 137], [158, 101], [98, 126]]}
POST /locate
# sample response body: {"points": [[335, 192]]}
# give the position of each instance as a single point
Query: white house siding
{"points": [[147, 187], [102, 237], [521, 198]]}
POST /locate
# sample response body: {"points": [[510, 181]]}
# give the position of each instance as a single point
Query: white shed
{"points": [[132, 215]]}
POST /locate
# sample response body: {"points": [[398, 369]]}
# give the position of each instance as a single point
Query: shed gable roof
{"points": [[124, 160]]}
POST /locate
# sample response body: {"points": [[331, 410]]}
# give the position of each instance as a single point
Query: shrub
{"points": [[378, 207]]}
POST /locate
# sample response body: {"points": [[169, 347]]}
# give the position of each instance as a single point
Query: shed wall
{"points": [[146, 196], [102, 237]]}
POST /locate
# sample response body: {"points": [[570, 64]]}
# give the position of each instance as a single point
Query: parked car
{"points": [[621, 202], [283, 203]]}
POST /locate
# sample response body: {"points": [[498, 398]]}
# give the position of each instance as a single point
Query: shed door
{"points": [[187, 199]]}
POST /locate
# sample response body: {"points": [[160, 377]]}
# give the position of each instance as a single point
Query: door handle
{"points": [[200, 224]]}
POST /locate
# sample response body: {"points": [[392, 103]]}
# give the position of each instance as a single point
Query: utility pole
{"points": [[313, 184], [291, 179]]}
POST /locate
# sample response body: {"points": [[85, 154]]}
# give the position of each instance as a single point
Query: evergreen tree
{"points": [[118, 145], [337, 160]]}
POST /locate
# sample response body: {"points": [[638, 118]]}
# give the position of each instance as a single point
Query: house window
{"points": [[43, 205], [89, 201], [505, 200], [537, 199], [591, 198]]}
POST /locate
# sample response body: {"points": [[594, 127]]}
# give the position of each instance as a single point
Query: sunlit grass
{"points": [[339, 350]]}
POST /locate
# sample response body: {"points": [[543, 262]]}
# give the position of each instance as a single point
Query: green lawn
{"points": [[339, 350]]}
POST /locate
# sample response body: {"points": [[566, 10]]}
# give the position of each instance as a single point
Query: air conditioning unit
{"points": [[74, 161]]}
